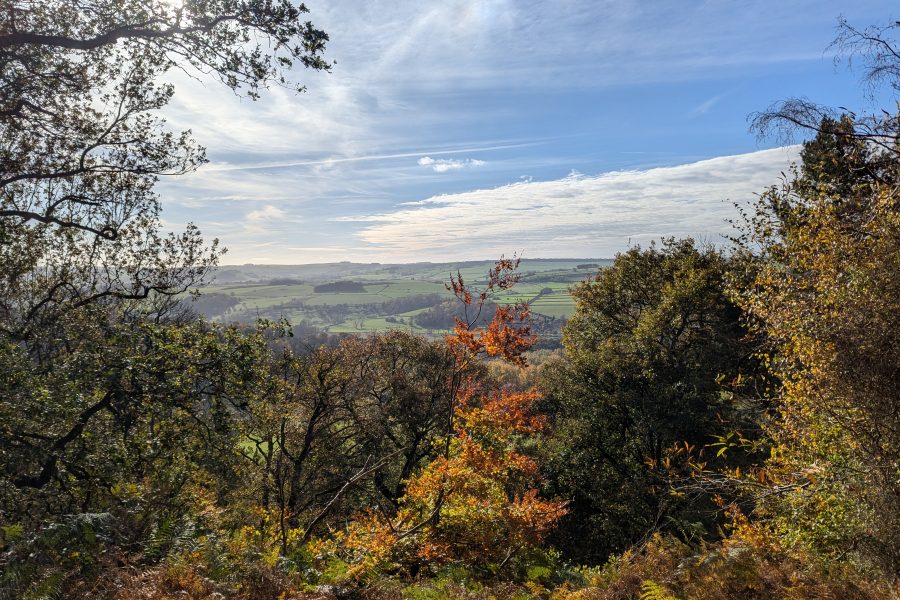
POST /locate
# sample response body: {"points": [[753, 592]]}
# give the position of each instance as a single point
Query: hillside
{"points": [[362, 298]]}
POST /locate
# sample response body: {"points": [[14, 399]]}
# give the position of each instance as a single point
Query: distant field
{"points": [[383, 296]]}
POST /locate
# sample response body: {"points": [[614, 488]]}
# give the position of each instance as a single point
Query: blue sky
{"points": [[461, 130]]}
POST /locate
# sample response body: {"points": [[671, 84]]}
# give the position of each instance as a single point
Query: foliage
{"points": [[475, 503], [719, 425], [748, 564], [344, 287], [343, 426], [824, 289], [127, 422], [114, 401], [479, 503], [82, 147], [820, 283], [651, 340]]}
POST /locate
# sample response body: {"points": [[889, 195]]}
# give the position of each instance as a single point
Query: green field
{"points": [[389, 297]]}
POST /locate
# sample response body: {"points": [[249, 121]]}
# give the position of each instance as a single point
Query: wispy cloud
{"points": [[373, 157], [705, 106], [260, 222], [266, 213], [530, 88], [442, 165], [578, 215]]}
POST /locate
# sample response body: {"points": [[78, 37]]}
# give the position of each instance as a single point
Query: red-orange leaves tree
{"points": [[508, 335], [477, 502]]}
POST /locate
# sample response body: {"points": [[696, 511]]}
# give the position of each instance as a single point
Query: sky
{"points": [[463, 130]]}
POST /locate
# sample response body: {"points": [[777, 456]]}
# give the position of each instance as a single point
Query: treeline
{"points": [[335, 313], [213, 304], [343, 287]]}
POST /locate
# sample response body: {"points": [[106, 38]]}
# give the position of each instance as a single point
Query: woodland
{"points": [[722, 421]]}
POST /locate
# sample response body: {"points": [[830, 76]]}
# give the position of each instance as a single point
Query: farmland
{"points": [[362, 298]]}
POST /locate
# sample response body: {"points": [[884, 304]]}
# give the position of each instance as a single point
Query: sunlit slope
{"points": [[387, 296]]}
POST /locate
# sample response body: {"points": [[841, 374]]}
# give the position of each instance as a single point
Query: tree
{"points": [[344, 427], [81, 146], [476, 502], [479, 504], [82, 149], [47, 273], [111, 402], [124, 425], [398, 401], [821, 285], [879, 53], [651, 338]]}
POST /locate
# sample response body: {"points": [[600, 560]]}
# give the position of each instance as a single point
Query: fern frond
{"points": [[650, 590]]}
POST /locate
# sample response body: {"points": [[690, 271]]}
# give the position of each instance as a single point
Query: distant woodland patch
{"points": [[213, 304], [340, 287]]}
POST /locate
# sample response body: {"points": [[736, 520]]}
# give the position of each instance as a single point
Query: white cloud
{"points": [[578, 215], [392, 60], [261, 224], [266, 213], [425, 160], [442, 165], [463, 78]]}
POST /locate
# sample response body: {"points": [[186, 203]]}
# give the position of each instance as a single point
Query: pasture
{"points": [[388, 297]]}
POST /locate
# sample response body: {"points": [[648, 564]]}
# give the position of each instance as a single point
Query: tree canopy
{"points": [[722, 422], [650, 342]]}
